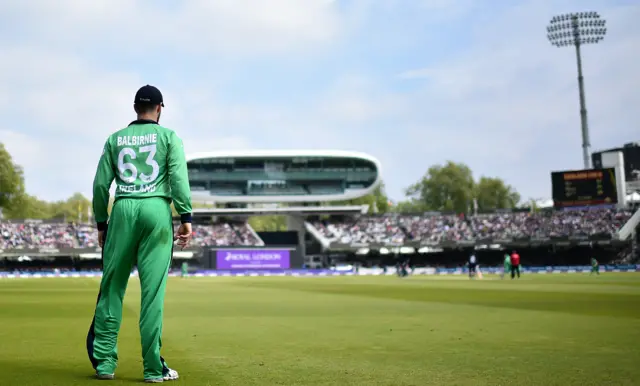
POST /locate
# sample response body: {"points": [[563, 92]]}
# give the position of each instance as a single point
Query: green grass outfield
{"points": [[547, 330]]}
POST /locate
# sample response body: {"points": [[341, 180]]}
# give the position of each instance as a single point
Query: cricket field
{"points": [[558, 329]]}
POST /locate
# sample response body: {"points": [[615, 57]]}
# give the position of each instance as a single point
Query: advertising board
{"points": [[252, 259]]}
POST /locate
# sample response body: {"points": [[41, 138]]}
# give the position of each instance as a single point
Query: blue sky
{"points": [[411, 82]]}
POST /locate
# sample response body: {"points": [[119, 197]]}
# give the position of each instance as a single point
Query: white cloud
{"points": [[494, 94], [62, 94], [248, 27], [358, 99], [509, 106]]}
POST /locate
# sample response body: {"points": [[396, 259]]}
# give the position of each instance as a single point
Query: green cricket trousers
{"points": [[140, 233]]}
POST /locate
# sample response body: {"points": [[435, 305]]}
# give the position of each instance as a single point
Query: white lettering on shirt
{"points": [[137, 140]]}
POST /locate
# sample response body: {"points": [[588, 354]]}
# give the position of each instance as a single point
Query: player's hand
{"points": [[183, 235], [101, 239]]}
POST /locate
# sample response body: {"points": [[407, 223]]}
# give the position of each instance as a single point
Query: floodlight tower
{"points": [[576, 29]]}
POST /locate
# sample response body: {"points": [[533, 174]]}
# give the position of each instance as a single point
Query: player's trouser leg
{"points": [[518, 271], [513, 271], [154, 259], [117, 259]]}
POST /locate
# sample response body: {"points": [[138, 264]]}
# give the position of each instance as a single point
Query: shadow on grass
{"points": [[35, 372]]}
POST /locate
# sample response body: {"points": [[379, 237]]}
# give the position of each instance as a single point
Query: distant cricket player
{"points": [[184, 269], [148, 164], [507, 265], [472, 265], [595, 267], [515, 264]]}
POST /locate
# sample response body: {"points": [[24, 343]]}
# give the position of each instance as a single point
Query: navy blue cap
{"points": [[149, 95]]}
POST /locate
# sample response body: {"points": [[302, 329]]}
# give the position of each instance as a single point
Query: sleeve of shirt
{"points": [[179, 178], [101, 184]]}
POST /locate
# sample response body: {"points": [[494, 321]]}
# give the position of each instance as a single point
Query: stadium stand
{"points": [[225, 234], [437, 228], [26, 235], [383, 229], [87, 236], [441, 240]]}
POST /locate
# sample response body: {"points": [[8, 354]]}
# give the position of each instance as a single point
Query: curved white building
{"points": [[253, 176]]}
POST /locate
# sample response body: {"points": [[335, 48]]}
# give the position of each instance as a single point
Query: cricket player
{"points": [[472, 265], [507, 265], [595, 267], [515, 265], [184, 269], [148, 164]]}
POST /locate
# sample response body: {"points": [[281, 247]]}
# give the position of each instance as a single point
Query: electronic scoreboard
{"points": [[584, 187]]}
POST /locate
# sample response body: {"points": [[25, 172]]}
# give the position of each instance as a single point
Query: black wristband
{"points": [[185, 218], [102, 226]]}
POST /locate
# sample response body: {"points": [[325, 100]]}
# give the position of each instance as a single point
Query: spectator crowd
{"points": [[61, 235], [224, 234], [29, 235], [438, 228], [385, 229]]}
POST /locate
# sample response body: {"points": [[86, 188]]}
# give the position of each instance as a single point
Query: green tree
{"points": [[273, 223], [75, 208], [28, 207], [493, 193], [11, 179], [444, 188], [531, 204], [451, 187], [377, 199], [408, 206]]}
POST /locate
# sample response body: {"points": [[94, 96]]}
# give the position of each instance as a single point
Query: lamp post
{"points": [[576, 29]]}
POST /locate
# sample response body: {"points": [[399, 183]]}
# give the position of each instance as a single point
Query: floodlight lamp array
{"points": [[576, 28]]}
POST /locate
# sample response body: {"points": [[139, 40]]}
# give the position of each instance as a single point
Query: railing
{"points": [[253, 232], [317, 234], [627, 230]]}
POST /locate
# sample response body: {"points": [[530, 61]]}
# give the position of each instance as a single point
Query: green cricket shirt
{"points": [[146, 160]]}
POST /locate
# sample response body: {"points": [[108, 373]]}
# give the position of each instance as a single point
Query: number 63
{"points": [[128, 166]]}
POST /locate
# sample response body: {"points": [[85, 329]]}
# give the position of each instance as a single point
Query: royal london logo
{"points": [[264, 256], [237, 256]]}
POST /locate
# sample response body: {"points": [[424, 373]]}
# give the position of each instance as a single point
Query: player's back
{"points": [[515, 259], [140, 155]]}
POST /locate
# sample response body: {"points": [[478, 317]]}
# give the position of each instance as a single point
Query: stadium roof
{"points": [[204, 195], [301, 210], [283, 153]]}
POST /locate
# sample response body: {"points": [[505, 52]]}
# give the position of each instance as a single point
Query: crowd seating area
{"points": [[400, 228], [366, 229], [32, 235], [87, 236], [60, 235], [224, 234]]}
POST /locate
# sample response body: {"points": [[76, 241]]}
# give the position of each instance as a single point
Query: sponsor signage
{"points": [[253, 259]]}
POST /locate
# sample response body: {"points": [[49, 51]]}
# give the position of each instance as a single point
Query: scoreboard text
{"points": [[584, 187]]}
